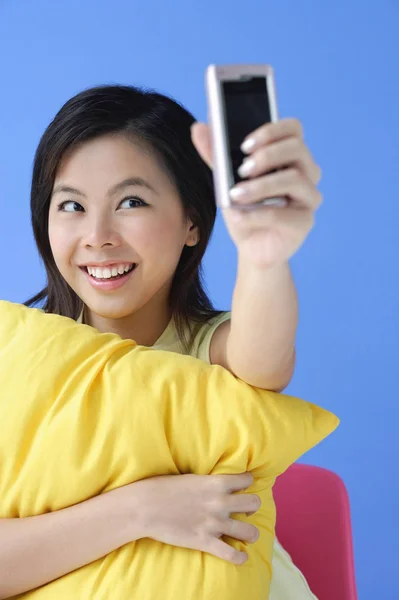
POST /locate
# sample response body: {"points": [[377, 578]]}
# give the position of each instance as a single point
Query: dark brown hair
{"points": [[164, 125]]}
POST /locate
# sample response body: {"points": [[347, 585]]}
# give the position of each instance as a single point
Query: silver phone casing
{"points": [[222, 175]]}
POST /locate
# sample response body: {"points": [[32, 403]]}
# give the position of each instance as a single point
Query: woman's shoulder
{"points": [[200, 347], [199, 334]]}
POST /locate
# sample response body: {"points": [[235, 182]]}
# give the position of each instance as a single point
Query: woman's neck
{"points": [[144, 326]]}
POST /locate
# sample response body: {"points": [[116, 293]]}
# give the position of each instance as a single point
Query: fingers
{"points": [[277, 221], [226, 501], [223, 503], [290, 183], [238, 530], [222, 550], [233, 483], [284, 153], [243, 503], [272, 132]]}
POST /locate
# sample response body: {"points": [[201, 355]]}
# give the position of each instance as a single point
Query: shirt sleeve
{"points": [[202, 341]]}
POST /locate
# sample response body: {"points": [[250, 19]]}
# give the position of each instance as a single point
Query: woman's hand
{"points": [[194, 511], [278, 164]]}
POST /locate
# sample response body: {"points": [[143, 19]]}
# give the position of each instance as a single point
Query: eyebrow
{"points": [[67, 189], [131, 181]]}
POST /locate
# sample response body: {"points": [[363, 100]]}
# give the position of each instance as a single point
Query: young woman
{"points": [[122, 211]]}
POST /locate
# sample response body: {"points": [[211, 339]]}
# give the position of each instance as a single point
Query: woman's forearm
{"points": [[37, 550], [260, 345], [188, 511]]}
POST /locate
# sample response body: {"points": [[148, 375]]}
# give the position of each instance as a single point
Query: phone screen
{"points": [[247, 107]]}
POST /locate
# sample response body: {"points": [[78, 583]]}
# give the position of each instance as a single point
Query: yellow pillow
{"points": [[82, 413]]}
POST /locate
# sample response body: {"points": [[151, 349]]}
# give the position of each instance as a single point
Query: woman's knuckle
{"points": [[219, 483], [218, 504], [296, 144], [268, 154], [298, 127], [211, 523], [254, 534], [292, 176]]}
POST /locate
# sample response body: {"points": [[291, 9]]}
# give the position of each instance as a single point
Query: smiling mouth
{"points": [[111, 273]]}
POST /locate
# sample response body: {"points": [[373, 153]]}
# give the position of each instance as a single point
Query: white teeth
{"points": [[108, 272]]}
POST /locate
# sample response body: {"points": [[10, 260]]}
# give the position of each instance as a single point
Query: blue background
{"points": [[337, 69]]}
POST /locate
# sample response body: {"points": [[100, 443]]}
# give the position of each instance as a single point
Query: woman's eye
{"points": [[70, 206], [132, 202]]}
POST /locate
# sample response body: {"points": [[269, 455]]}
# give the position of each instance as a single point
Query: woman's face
{"points": [[117, 226]]}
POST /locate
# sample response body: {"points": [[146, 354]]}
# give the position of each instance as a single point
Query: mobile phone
{"points": [[241, 98]]}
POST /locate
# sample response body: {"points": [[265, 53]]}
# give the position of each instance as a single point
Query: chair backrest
{"points": [[314, 526]]}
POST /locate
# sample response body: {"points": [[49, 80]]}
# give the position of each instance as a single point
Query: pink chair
{"points": [[314, 526]]}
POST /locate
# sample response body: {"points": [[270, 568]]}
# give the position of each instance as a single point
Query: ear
{"points": [[192, 236]]}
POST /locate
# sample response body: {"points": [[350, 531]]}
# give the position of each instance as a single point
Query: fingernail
{"points": [[247, 167], [248, 145], [236, 193]]}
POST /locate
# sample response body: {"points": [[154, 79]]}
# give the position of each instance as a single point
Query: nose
{"points": [[99, 232]]}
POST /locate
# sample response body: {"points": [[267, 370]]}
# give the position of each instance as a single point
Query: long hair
{"points": [[164, 125]]}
